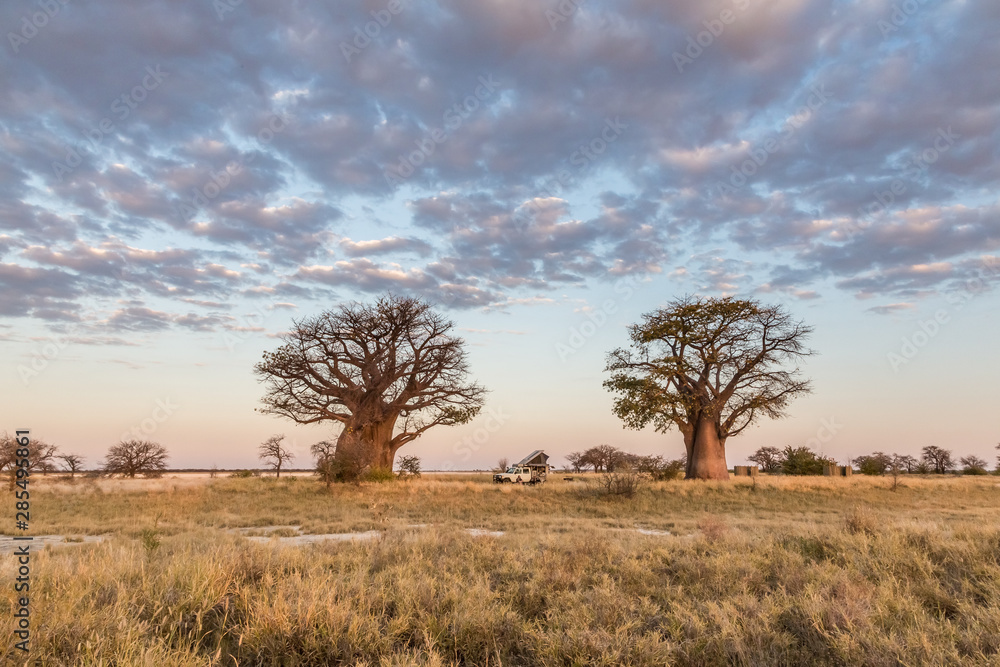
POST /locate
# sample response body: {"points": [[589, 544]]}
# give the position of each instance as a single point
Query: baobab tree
{"points": [[386, 372], [709, 367]]}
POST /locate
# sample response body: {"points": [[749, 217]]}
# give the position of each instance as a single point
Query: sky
{"points": [[181, 181]]}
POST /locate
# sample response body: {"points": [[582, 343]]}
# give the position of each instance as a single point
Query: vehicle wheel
{"points": [[506, 481]]}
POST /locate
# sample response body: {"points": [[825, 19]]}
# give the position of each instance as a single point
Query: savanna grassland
{"points": [[787, 571]]}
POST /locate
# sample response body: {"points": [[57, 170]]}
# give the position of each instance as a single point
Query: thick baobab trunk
{"points": [[379, 438], [367, 446], [708, 453]]}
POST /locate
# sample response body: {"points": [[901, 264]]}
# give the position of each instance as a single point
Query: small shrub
{"points": [[150, 540], [673, 470], [409, 466], [658, 468], [244, 474], [621, 482]]}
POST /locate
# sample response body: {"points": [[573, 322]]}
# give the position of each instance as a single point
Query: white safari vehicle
{"points": [[518, 475], [532, 469]]}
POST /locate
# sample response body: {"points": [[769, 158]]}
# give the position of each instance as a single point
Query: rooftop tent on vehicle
{"points": [[536, 459]]}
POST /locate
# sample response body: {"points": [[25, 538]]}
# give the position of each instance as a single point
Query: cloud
{"points": [[139, 319], [384, 246], [146, 320], [890, 308], [366, 274], [243, 170], [48, 293]]}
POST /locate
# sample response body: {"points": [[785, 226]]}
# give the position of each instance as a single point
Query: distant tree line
{"points": [[609, 459], [387, 371], [790, 461], [933, 460], [143, 458], [42, 457], [127, 458]]}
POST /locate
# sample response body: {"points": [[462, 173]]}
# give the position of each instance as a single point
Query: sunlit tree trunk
{"points": [[687, 430], [369, 445], [364, 366], [708, 457], [380, 437]]}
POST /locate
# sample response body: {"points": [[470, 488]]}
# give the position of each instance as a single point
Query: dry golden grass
{"points": [[805, 571]]}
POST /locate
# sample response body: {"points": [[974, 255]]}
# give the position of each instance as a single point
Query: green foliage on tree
{"points": [[873, 464], [802, 461], [409, 466], [709, 367]]}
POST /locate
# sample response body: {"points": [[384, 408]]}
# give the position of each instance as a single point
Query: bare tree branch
{"points": [[386, 372], [134, 457], [274, 454]]}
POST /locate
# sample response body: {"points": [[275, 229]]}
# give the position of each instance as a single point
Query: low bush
{"points": [[621, 482], [659, 468], [409, 466], [973, 465]]}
